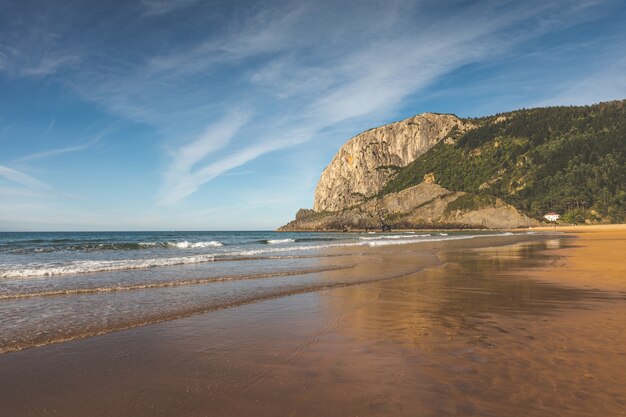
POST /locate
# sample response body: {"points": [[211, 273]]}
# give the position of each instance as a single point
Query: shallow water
{"points": [[30, 255], [56, 287]]}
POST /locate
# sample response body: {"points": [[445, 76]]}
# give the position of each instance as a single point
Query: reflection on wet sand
{"points": [[478, 338], [471, 337]]}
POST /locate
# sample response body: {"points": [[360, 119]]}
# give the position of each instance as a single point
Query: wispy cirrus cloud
{"points": [[23, 179], [36, 54], [265, 30], [48, 64], [50, 126], [180, 178], [302, 69], [158, 7], [59, 151], [174, 75]]}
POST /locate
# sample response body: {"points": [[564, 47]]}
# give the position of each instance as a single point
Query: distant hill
{"points": [[571, 160], [498, 171]]}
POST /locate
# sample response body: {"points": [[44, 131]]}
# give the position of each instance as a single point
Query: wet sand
{"points": [[527, 329]]}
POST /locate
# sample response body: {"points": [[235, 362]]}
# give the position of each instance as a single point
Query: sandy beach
{"points": [[529, 326], [313, 208]]}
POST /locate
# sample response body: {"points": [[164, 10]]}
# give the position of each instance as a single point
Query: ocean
{"points": [[58, 286]]}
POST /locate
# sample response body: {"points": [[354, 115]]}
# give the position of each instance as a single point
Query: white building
{"points": [[552, 217]]}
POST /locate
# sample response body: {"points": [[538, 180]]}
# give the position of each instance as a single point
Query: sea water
{"points": [[57, 286]]}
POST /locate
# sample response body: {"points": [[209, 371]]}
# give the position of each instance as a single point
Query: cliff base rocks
{"points": [[424, 206]]}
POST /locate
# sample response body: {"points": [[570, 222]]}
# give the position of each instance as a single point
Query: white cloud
{"points": [[35, 53], [50, 126], [22, 179], [180, 179], [60, 151], [48, 64], [158, 7], [261, 33], [302, 70], [305, 71], [4, 61]]}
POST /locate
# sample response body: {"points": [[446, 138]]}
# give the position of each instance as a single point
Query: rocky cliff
{"points": [[442, 171], [367, 161], [353, 194]]}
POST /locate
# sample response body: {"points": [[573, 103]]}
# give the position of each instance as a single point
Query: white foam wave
{"points": [[375, 243], [186, 245], [279, 241], [393, 237], [405, 241], [82, 267], [211, 244], [443, 237]]}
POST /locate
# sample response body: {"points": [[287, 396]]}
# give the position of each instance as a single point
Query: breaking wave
{"points": [[279, 241], [88, 266], [113, 246], [381, 237], [82, 267], [186, 245]]}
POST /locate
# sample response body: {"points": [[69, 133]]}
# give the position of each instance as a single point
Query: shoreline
{"points": [[331, 267], [494, 330], [543, 228], [581, 228]]}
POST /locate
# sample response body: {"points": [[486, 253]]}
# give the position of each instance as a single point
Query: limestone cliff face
{"points": [[347, 198], [367, 161]]}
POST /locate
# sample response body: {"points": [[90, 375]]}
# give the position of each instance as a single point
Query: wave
{"points": [[441, 238], [316, 239], [84, 267], [186, 245], [57, 334], [81, 267], [372, 242], [279, 241], [375, 243], [27, 241], [113, 246], [393, 237], [170, 284], [297, 240]]}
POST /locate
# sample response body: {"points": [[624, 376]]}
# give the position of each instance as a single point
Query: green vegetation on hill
{"points": [[470, 202], [571, 160]]}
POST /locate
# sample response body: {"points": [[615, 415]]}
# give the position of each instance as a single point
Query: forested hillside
{"points": [[571, 160]]}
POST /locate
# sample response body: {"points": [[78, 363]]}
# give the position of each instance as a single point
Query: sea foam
{"points": [[187, 245], [381, 237], [80, 267], [279, 241]]}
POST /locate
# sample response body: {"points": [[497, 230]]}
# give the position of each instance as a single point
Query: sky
{"points": [[221, 115]]}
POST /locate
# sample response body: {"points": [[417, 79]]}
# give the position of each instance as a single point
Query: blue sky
{"points": [[221, 115]]}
